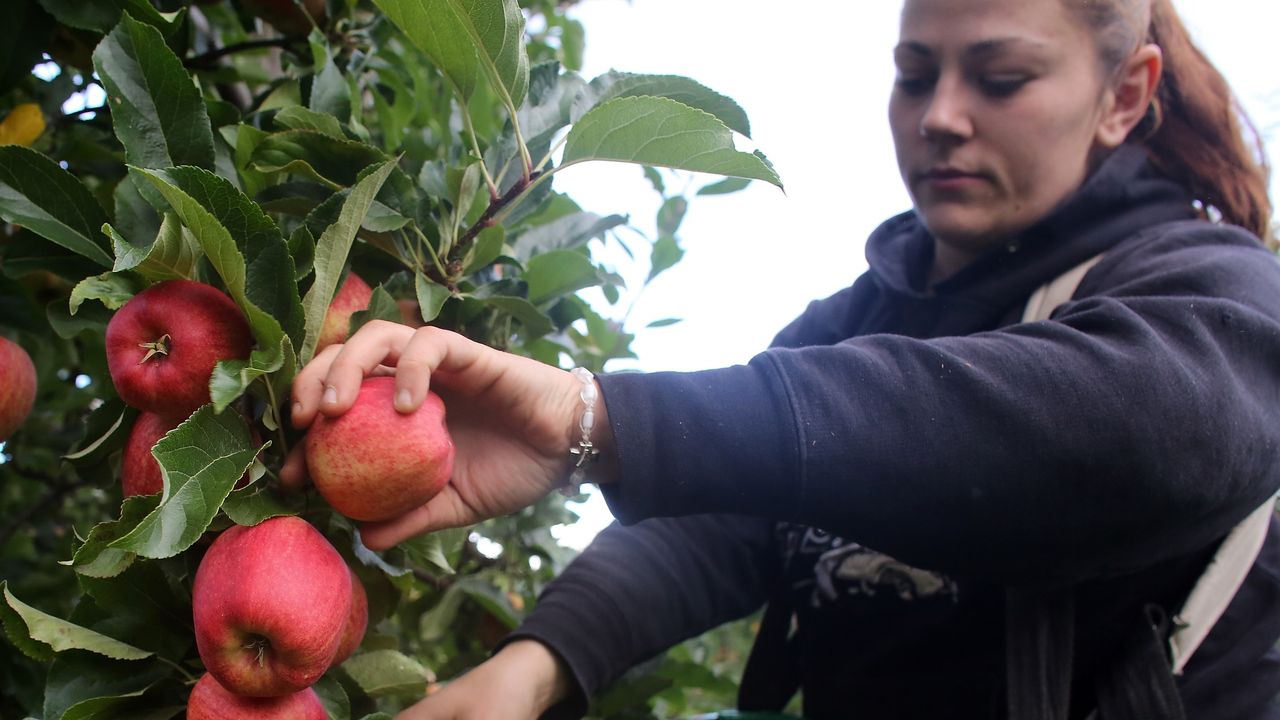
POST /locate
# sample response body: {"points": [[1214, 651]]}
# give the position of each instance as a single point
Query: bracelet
{"points": [[584, 452]]}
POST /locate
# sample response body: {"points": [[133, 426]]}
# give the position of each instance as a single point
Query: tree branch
{"points": [[486, 220], [207, 60]]}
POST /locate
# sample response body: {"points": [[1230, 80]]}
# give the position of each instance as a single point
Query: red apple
{"points": [[17, 386], [139, 471], [210, 701], [374, 463], [162, 345], [270, 604], [353, 295], [357, 622]]}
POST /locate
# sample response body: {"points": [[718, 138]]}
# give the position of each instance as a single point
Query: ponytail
{"points": [[1196, 131], [1200, 139]]}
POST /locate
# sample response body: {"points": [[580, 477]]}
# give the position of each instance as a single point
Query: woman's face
{"points": [[995, 113]]}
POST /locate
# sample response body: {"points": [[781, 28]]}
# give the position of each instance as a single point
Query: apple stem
{"points": [[159, 347], [259, 645]]}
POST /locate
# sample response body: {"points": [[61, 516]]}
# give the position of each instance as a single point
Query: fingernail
{"points": [[403, 398], [297, 408], [330, 395]]}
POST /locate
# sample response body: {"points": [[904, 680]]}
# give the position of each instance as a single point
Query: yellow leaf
{"points": [[22, 126]]}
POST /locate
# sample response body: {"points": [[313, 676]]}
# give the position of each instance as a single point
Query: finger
{"points": [[424, 353], [375, 344], [308, 387], [293, 474], [445, 510]]}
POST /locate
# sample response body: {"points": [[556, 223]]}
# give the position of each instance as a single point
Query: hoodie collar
{"points": [[1124, 195]]}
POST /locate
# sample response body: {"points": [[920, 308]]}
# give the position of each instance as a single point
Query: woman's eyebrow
{"points": [[995, 46]]}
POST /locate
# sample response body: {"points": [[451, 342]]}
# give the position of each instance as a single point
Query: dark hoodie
{"points": [[903, 453]]}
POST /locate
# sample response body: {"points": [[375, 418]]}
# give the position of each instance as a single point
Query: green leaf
{"points": [[430, 550], [80, 683], [315, 155], [39, 195], [157, 111], [103, 15], [614, 84], [382, 673], [331, 253], [724, 187], [572, 43], [171, 255], [249, 254], [62, 635], [329, 92], [96, 557], [666, 253], [559, 272], [334, 698], [302, 248], [91, 318], [381, 307], [438, 621], [564, 233], [257, 502], [487, 248], [655, 178], [104, 433], [201, 460], [468, 39], [671, 214], [535, 322], [663, 132], [110, 288], [665, 322], [431, 296], [300, 118]]}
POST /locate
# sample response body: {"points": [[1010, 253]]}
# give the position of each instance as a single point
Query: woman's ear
{"points": [[1132, 92]]}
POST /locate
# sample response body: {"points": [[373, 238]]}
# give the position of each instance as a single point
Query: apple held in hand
{"points": [[210, 701], [162, 345], [373, 463], [353, 295], [17, 386], [270, 603]]}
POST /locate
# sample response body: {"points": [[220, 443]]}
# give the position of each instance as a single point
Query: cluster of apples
{"points": [[162, 346], [275, 606]]}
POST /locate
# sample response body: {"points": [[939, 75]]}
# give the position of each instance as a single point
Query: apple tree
{"points": [[275, 150]]}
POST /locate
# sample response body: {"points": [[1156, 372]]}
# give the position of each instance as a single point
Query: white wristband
{"points": [[584, 451]]}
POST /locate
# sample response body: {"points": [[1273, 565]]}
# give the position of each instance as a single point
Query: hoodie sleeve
{"points": [[1139, 423], [638, 590]]}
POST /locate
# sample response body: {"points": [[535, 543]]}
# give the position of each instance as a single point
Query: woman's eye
{"points": [[913, 84], [1003, 85]]}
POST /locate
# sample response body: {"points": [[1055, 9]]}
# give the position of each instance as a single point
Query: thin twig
{"points": [[208, 59], [486, 219]]}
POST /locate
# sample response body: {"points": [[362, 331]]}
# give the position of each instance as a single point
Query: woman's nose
{"points": [[947, 115]]}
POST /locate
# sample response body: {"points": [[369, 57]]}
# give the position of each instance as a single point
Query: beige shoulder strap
{"points": [[1218, 584], [1226, 572], [1057, 291]]}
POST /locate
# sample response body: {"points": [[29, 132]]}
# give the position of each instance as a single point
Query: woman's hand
{"points": [[512, 419], [519, 683]]}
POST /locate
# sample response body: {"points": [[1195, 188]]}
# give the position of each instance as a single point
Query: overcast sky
{"points": [[814, 78]]}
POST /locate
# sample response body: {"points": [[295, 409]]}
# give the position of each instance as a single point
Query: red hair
{"points": [[1196, 131]]}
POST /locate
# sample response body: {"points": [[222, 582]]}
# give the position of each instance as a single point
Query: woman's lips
{"points": [[945, 179]]}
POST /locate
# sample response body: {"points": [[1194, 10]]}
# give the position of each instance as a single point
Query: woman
{"points": [[919, 484]]}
